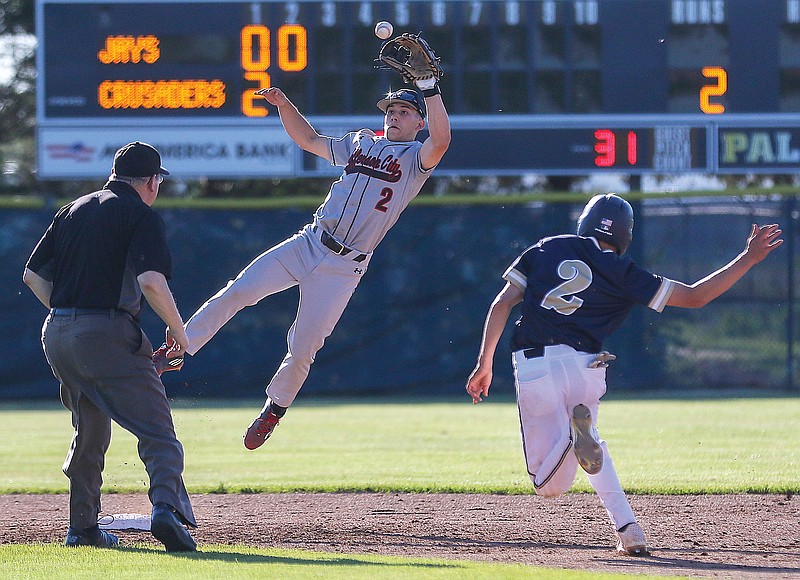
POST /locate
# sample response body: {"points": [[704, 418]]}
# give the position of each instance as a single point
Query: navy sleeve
{"points": [[640, 286]]}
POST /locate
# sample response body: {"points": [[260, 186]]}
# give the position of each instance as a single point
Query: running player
{"points": [[575, 290], [328, 257]]}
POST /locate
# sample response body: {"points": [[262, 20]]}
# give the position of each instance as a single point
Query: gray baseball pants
{"points": [[327, 282], [104, 364]]}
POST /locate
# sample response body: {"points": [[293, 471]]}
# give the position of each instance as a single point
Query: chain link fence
{"points": [[414, 324]]}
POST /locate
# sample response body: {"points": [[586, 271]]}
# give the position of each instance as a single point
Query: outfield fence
{"points": [[414, 324]]}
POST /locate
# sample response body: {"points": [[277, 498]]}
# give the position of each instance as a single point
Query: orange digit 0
{"points": [[292, 48], [255, 48]]}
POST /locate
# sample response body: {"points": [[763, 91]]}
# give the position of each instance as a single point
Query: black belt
{"points": [[330, 242], [533, 352], [90, 312]]}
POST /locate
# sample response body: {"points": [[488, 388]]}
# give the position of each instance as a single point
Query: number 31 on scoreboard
{"points": [[606, 148]]}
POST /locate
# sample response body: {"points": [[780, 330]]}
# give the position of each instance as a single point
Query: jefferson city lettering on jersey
{"points": [[387, 169]]}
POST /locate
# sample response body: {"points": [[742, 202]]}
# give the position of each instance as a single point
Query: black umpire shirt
{"points": [[96, 247]]}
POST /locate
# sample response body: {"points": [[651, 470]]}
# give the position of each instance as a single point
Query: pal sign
{"points": [[759, 148]]}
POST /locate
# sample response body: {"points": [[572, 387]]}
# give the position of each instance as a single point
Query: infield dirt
{"points": [[719, 536]]}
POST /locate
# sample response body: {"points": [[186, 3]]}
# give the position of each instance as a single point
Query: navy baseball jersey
{"points": [[575, 293]]}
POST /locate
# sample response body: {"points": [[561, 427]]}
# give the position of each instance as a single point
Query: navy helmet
{"points": [[609, 218], [410, 97]]}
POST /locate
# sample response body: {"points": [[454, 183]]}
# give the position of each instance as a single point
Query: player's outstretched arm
{"points": [[762, 241], [295, 124], [481, 378], [435, 146]]}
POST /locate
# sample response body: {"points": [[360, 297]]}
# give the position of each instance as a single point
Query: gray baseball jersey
{"points": [[380, 179], [327, 258]]}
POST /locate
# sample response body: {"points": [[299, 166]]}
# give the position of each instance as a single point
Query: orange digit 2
{"points": [[716, 90]]}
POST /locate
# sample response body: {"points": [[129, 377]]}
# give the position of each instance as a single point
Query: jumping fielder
{"points": [[329, 256], [575, 291]]}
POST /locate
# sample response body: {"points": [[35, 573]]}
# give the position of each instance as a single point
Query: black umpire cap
{"points": [[408, 96], [138, 160]]}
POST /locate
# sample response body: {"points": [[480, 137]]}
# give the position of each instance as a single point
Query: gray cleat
{"points": [[586, 447], [631, 541]]}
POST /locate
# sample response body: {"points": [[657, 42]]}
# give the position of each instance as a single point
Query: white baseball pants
{"points": [[548, 388]]}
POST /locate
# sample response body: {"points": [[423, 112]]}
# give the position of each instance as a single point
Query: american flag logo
{"points": [[606, 223], [77, 151]]}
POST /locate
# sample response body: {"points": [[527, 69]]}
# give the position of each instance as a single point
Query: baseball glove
{"points": [[411, 56], [601, 360]]}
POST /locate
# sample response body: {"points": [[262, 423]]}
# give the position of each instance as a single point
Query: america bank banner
{"points": [[187, 152]]}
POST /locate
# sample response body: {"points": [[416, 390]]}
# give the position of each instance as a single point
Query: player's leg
{"points": [[589, 385], [607, 486], [324, 295], [585, 386], [630, 536], [265, 275], [544, 425]]}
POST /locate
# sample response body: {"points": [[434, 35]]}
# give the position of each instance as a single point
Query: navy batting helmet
{"points": [[409, 97], [609, 218]]}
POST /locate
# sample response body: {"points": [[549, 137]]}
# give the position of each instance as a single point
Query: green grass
{"points": [[658, 446], [234, 562]]}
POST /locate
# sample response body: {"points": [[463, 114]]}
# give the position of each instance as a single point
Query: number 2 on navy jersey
{"points": [[577, 277], [386, 196]]}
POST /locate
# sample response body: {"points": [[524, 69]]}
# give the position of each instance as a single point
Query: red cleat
{"points": [[260, 430]]}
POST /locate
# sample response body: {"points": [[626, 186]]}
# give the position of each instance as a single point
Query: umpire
{"points": [[91, 267]]}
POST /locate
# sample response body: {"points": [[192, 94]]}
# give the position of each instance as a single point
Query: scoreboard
{"points": [[532, 86]]}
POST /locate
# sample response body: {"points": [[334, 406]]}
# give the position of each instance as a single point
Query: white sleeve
{"points": [[661, 297], [516, 277]]}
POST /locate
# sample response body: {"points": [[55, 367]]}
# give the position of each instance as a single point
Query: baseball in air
{"points": [[383, 29]]}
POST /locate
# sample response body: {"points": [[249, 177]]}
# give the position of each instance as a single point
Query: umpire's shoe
{"points": [[260, 429], [168, 530], [586, 447], [93, 536], [163, 362]]}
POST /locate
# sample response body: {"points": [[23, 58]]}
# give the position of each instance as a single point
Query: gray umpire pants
{"points": [[103, 361]]}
